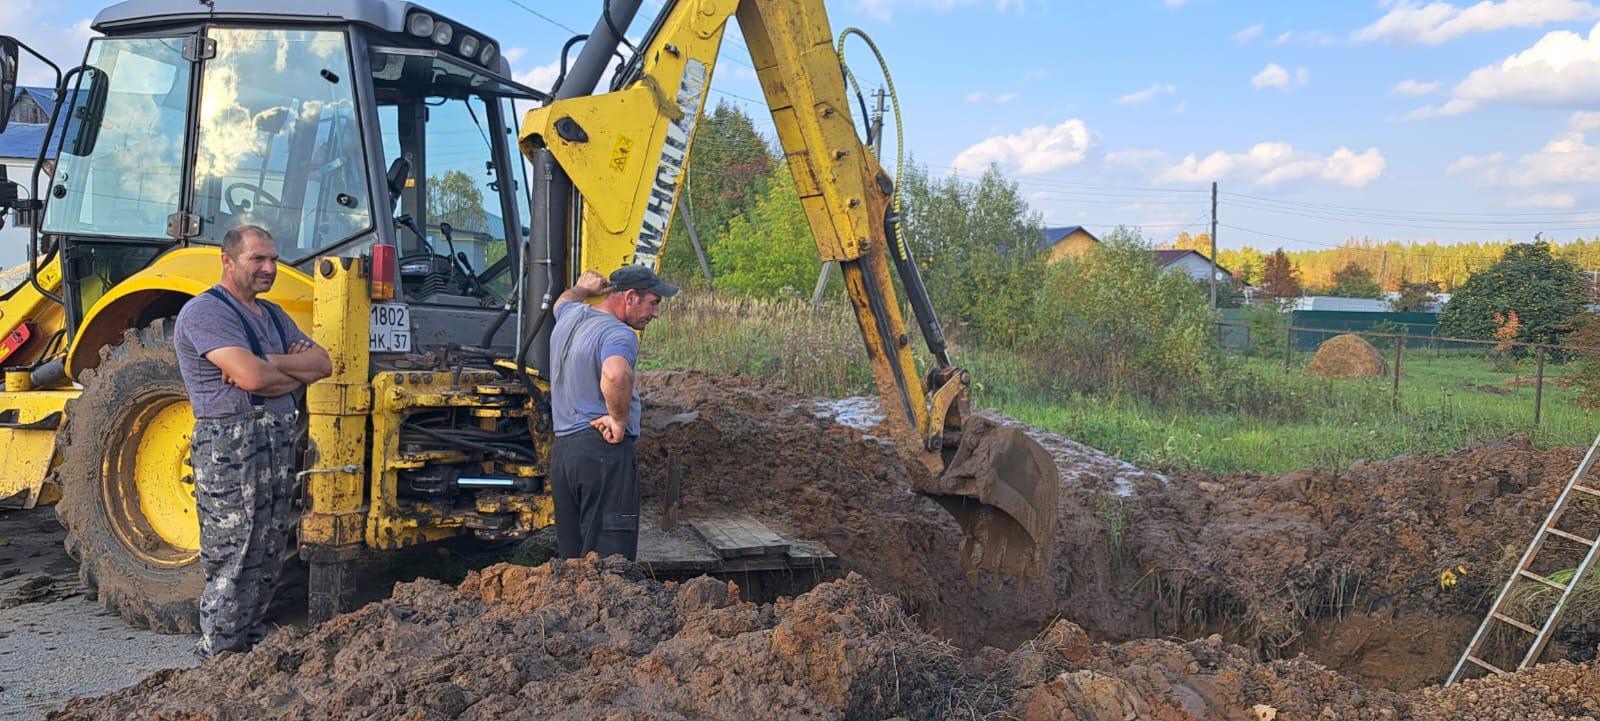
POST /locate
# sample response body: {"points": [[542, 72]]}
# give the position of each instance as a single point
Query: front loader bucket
{"points": [[1002, 488]]}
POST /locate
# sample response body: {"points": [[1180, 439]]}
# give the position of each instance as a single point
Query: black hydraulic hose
{"points": [[916, 292], [605, 12], [566, 48]]}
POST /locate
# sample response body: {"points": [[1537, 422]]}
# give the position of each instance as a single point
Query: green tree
{"points": [[1354, 281], [727, 171], [977, 245], [453, 198], [769, 247], [1546, 293]]}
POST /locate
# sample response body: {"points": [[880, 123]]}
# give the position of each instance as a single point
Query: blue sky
{"points": [[1392, 119]]}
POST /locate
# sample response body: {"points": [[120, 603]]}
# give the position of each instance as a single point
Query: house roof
{"points": [[45, 97], [1054, 235], [21, 140], [1165, 258]]}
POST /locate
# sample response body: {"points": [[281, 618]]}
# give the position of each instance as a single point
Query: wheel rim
{"points": [[149, 482]]}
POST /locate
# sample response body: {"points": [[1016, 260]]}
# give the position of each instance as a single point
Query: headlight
{"points": [[489, 54], [420, 24], [469, 46], [442, 32]]}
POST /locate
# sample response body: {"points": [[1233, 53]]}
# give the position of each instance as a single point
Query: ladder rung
{"points": [[1492, 668], [1579, 487], [1570, 536], [1507, 619], [1525, 573]]}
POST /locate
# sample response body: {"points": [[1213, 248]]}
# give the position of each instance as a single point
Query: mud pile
{"points": [[595, 639], [1344, 566]]}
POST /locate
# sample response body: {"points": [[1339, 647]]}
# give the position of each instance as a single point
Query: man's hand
{"points": [[610, 428], [300, 346], [593, 283], [588, 285]]}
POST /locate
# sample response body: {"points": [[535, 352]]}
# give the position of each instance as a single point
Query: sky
{"points": [[1391, 119]]}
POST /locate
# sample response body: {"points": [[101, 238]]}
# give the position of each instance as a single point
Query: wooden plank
{"points": [[728, 539], [771, 543]]}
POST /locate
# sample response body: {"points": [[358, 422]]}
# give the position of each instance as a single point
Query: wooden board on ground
{"points": [[738, 536], [685, 550]]}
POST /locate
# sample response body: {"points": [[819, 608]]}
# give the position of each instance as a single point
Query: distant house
{"points": [[1066, 241], [19, 148], [1336, 303], [33, 105], [1194, 264]]}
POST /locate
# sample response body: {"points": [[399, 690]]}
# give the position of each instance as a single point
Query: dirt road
{"points": [[55, 644]]}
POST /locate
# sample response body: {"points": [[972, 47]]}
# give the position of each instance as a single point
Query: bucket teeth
{"points": [[1003, 488]]}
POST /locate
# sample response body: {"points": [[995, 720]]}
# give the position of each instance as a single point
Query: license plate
{"points": [[390, 328]]}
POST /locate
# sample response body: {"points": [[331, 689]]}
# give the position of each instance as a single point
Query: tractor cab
{"points": [[333, 126]]}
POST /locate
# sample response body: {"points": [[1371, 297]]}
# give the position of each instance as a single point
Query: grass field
{"points": [[1446, 401]]}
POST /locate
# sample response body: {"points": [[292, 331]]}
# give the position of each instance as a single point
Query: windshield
{"points": [[278, 143], [453, 143], [129, 181]]}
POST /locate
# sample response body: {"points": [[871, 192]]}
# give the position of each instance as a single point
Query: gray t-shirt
{"points": [[206, 324], [581, 341]]}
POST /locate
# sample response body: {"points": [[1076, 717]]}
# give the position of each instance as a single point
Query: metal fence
{"points": [[1292, 345]]}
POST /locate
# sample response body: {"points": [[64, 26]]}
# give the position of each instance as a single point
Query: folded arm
{"points": [[242, 369]]}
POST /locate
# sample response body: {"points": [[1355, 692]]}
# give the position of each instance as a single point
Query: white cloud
{"points": [[1414, 88], [1283, 37], [1275, 76], [1566, 159], [540, 77], [1438, 22], [1136, 158], [1031, 151], [1273, 163], [1544, 200], [1005, 97], [1584, 121], [1147, 94], [1561, 70], [1175, 3], [513, 55], [1250, 33]]}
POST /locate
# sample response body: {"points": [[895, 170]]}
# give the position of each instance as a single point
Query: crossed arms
{"points": [[278, 375]]}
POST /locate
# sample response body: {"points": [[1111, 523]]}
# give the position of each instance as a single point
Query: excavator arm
{"points": [[624, 153]]}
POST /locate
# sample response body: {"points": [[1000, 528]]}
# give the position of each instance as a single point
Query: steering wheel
{"points": [[241, 206]]}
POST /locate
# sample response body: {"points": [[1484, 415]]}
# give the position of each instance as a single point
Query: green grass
{"points": [[1447, 401]]}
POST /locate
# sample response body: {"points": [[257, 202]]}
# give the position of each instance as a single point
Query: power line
{"points": [[1408, 213], [1425, 224]]}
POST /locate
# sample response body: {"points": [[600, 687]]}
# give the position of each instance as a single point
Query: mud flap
{"points": [[1002, 487]]}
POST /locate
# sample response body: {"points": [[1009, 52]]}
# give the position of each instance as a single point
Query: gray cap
{"points": [[638, 277]]}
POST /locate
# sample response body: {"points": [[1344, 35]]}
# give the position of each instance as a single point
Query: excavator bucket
{"points": [[1002, 487]]}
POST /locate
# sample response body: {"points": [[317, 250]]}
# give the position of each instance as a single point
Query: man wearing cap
{"points": [[594, 404]]}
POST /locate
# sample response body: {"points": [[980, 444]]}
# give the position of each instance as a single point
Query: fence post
{"points": [[1288, 345], [1538, 390], [1399, 352]]}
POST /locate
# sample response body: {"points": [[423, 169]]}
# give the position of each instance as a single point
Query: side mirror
{"points": [[8, 79], [88, 109], [399, 173]]}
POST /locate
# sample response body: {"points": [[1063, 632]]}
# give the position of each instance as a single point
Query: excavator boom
{"points": [[624, 152]]}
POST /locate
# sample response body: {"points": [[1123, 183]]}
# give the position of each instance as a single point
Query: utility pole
{"points": [[1213, 247], [694, 237], [874, 142]]}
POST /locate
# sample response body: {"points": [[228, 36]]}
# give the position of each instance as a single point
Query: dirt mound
{"points": [[581, 639], [1347, 356], [1344, 566], [594, 639]]}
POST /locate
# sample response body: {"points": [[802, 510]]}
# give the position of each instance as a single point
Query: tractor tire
{"points": [[127, 491]]}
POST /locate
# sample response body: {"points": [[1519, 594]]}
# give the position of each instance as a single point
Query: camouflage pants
{"points": [[244, 469]]}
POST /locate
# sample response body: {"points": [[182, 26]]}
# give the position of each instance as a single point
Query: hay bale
{"points": [[1347, 356]]}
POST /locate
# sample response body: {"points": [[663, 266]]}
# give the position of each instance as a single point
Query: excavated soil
{"points": [[1317, 594]]}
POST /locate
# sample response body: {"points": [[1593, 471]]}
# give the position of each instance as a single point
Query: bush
{"points": [[1112, 322]]}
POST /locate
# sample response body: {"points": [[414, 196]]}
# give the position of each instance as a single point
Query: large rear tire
{"points": [[127, 489]]}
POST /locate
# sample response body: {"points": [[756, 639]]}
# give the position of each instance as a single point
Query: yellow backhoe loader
{"points": [[378, 141]]}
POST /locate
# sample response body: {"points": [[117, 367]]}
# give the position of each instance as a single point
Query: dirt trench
{"points": [[1343, 567]]}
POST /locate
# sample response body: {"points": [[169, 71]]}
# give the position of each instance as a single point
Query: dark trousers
{"points": [[595, 486]]}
